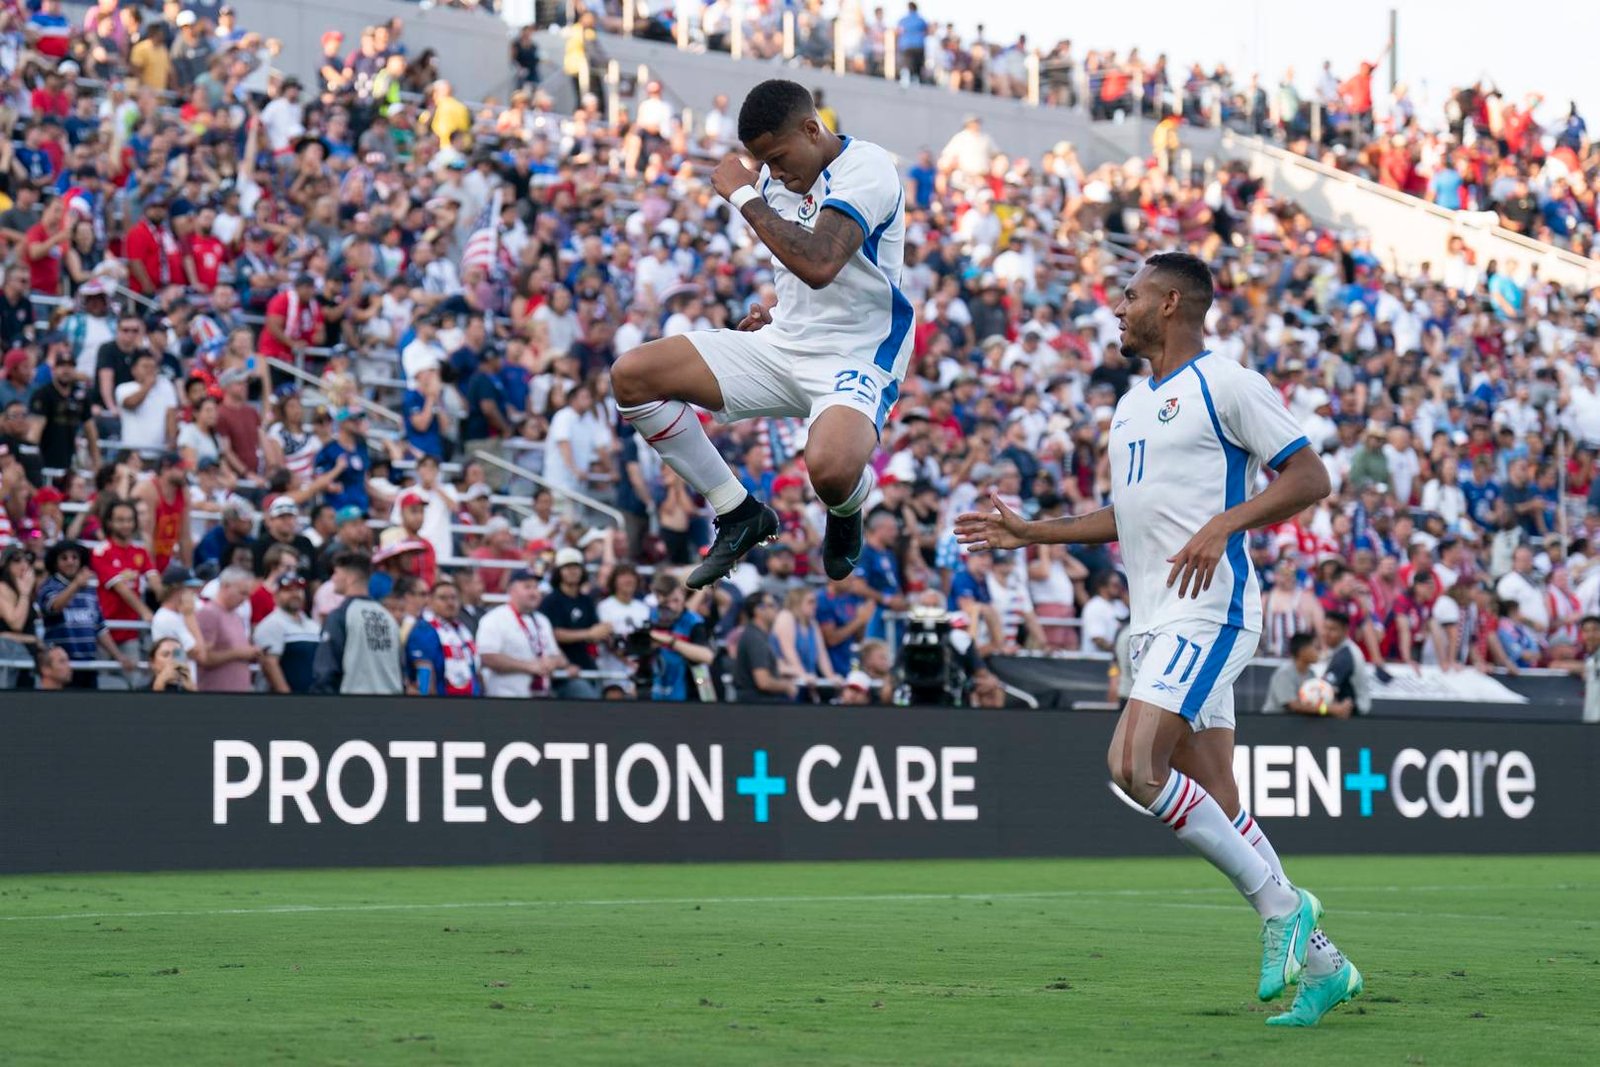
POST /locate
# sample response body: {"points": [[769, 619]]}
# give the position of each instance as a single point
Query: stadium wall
{"points": [[901, 118], [473, 48], [193, 782]]}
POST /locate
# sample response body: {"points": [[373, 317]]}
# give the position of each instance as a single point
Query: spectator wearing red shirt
{"points": [[294, 320], [1411, 621], [238, 420], [206, 252], [46, 244], [155, 259], [500, 544], [51, 99], [124, 571]]}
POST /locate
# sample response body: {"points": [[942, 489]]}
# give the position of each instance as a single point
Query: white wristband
{"points": [[742, 196]]}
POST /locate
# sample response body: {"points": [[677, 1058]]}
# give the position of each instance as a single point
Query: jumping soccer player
{"points": [[834, 349], [1186, 446]]}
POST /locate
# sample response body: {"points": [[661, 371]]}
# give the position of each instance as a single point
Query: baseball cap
{"points": [[523, 575], [349, 513], [477, 492], [177, 574], [185, 18], [413, 500], [284, 505], [568, 557], [294, 578], [859, 680]]}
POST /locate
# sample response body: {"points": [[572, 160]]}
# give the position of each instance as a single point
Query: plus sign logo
{"points": [[1365, 781], [761, 786]]}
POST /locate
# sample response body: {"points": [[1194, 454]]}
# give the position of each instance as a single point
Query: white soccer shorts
{"points": [[762, 378], [1189, 669]]}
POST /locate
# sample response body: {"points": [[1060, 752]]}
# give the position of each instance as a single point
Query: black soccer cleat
{"points": [[734, 538], [841, 545]]}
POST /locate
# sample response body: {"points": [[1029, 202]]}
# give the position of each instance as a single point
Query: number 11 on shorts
{"points": [[1194, 648]]}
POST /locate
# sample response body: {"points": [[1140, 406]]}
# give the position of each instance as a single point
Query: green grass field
{"points": [[1468, 960]]}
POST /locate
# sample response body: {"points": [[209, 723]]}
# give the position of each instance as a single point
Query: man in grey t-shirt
{"points": [[755, 664], [1283, 691]]}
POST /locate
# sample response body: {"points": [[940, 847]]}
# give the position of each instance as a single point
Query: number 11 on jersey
{"points": [[1136, 461]]}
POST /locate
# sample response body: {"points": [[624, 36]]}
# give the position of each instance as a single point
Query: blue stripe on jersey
{"points": [[849, 209], [1233, 495], [1206, 680], [900, 316], [871, 245], [886, 401], [900, 313], [1288, 450], [1185, 365]]}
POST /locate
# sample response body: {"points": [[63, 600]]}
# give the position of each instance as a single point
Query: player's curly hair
{"points": [[1194, 277], [772, 106]]}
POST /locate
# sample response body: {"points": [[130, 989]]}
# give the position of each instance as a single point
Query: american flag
{"points": [[483, 247], [781, 437]]}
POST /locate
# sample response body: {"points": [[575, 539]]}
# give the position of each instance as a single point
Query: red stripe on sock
{"points": [[667, 434], [1183, 798]]}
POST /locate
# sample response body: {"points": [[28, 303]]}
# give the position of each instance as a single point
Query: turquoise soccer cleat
{"points": [[1284, 942], [1318, 996]]}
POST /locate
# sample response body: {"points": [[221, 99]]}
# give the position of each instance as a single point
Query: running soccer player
{"points": [[834, 349], [1186, 445]]}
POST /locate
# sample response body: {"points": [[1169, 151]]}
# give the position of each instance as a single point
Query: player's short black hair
{"points": [[772, 106], [1192, 275], [1299, 642]]}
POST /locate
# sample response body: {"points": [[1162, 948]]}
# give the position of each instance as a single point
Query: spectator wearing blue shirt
{"points": [[969, 594], [70, 610], [878, 572], [1505, 293], [843, 616], [755, 473], [488, 419], [682, 638], [474, 339], [922, 178], [912, 34], [1444, 188], [424, 423], [349, 444], [228, 536]]}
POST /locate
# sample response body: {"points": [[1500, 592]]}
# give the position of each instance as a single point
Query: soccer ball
{"points": [[1316, 692]]}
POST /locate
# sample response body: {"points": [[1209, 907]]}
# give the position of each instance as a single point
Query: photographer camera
{"points": [[939, 662], [675, 653]]}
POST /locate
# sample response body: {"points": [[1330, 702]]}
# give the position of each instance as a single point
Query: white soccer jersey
{"points": [[1184, 450], [862, 313]]}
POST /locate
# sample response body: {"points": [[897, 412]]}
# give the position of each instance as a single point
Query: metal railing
{"points": [[311, 379], [515, 470]]}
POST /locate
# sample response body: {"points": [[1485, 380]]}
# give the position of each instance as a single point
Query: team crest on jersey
{"points": [[808, 208], [1169, 410]]}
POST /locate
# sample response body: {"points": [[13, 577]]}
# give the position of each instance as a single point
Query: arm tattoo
{"points": [[814, 256]]}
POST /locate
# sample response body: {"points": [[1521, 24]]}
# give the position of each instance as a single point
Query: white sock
{"points": [[1185, 807], [1323, 957], [1257, 839], [856, 499], [673, 429]]}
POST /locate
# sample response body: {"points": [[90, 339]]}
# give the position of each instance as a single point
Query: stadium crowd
{"points": [[1476, 148], [278, 358]]}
